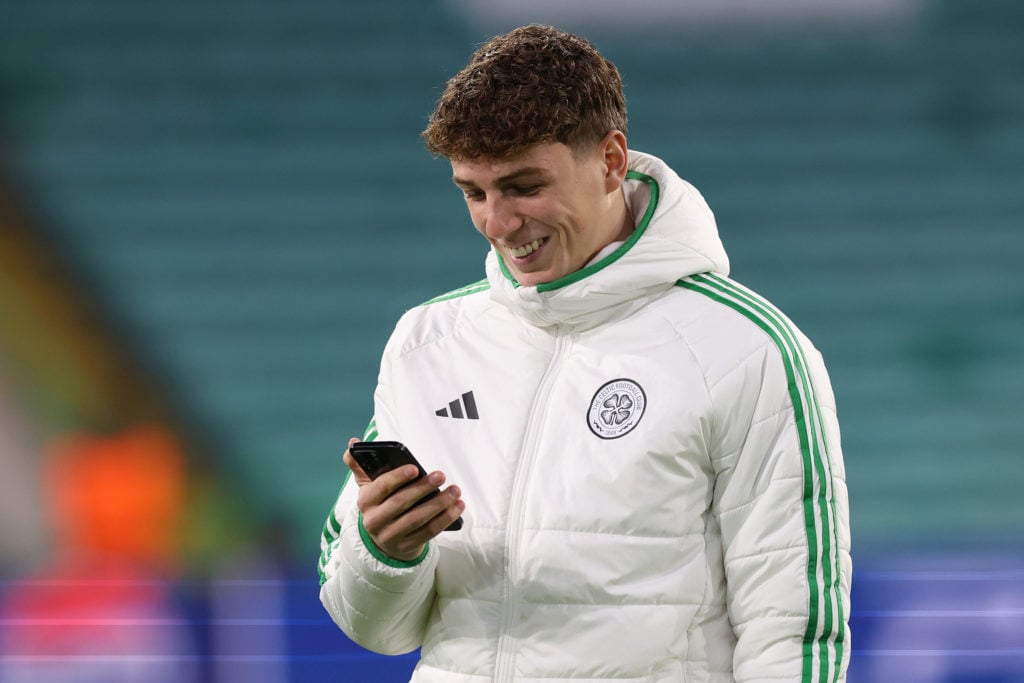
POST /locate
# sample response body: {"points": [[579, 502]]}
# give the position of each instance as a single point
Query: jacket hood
{"points": [[675, 236]]}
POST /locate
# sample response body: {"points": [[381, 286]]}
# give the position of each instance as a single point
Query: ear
{"points": [[616, 159]]}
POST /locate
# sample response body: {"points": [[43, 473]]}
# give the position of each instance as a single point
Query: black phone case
{"points": [[378, 457]]}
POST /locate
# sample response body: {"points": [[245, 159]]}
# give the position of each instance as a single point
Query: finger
{"points": [[435, 525], [425, 520], [406, 535], [396, 492], [452, 510]]}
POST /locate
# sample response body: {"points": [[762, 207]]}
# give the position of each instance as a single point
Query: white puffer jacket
{"points": [[650, 460]]}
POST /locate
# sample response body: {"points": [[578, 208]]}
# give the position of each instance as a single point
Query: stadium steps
{"points": [[210, 166]]}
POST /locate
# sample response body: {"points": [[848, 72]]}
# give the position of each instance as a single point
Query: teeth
{"points": [[526, 249]]}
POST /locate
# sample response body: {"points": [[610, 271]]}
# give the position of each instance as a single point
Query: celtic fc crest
{"points": [[616, 408]]}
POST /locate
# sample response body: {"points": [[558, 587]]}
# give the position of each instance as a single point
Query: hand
{"points": [[398, 528]]}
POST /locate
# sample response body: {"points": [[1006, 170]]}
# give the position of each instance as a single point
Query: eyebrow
{"points": [[509, 179]]}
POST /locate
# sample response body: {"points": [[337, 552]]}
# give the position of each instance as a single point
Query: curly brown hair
{"points": [[534, 84]]}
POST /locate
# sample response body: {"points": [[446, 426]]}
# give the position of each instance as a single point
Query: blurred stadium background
{"points": [[211, 214]]}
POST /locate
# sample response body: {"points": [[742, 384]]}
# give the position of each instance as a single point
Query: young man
{"points": [[647, 461]]}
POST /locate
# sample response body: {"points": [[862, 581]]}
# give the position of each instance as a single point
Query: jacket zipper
{"points": [[504, 664]]}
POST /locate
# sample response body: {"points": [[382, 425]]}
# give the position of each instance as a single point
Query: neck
{"points": [[624, 218]]}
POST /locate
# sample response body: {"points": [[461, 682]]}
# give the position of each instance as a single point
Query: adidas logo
{"points": [[464, 407]]}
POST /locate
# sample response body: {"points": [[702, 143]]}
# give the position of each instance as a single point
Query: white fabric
{"points": [[678, 551]]}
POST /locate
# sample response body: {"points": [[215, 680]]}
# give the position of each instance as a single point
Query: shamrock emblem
{"points": [[617, 409]]}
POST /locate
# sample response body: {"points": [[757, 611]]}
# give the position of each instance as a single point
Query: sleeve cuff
{"points": [[381, 556]]}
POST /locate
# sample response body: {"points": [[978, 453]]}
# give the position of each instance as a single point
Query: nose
{"points": [[500, 217]]}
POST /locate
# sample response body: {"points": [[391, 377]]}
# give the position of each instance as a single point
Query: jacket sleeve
{"points": [[781, 503], [381, 603]]}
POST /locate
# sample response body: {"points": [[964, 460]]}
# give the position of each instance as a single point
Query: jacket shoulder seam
{"points": [[471, 288]]}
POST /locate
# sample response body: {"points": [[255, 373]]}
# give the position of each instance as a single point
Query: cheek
{"points": [[575, 225]]}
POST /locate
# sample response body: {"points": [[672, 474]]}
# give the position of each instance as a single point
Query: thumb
{"points": [[361, 477]]}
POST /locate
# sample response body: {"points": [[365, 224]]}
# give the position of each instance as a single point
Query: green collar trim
{"points": [[610, 258]]}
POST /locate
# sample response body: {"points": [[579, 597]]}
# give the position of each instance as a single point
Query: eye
{"points": [[526, 190], [473, 195]]}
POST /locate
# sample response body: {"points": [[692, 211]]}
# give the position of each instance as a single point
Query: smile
{"points": [[526, 249]]}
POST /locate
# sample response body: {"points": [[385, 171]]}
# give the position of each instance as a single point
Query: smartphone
{"points": [[378, 457]]}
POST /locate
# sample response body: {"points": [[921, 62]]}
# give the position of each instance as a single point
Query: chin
{"points": [[537, 277], [532, 279]]}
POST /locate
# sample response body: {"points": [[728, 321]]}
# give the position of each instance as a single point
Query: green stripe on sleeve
{"points": [[810, 432], [830, 554], [371, 431], [332, 526]]}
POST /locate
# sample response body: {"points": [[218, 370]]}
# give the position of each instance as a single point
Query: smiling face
{"points": [[548, 211]]}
